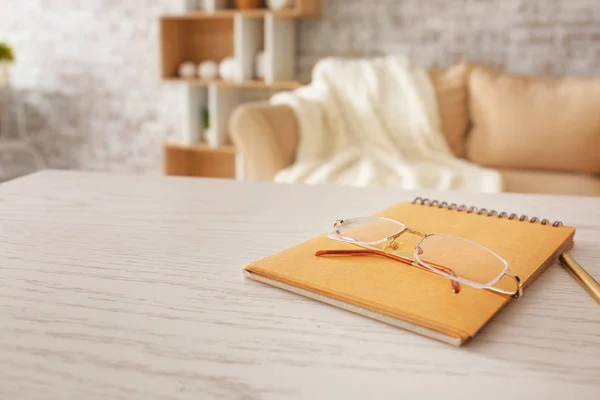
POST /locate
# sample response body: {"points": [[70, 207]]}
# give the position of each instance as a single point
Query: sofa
{"points": [[541, 133]]}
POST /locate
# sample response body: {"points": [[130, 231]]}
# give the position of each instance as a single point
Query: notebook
{"points": [[408, 297]]}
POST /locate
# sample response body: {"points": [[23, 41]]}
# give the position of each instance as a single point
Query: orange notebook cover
{"points": [[409, 297]]}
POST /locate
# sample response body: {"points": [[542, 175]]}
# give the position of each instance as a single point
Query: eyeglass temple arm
{"points": [[455, 284], [517, 293]]}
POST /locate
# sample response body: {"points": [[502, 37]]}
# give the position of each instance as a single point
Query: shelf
{"points": [[302, 8], [189, 40], [226, 14], [200, 147], [250, 84], [241, 38], [199, 160]]}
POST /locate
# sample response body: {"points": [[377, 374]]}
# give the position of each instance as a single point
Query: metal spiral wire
{"points": [[482, 211]]}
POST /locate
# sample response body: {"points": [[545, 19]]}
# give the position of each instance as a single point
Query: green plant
{"points": [[6, 53]]}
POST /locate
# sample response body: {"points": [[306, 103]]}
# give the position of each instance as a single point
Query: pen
{"points": [[581, 275]]}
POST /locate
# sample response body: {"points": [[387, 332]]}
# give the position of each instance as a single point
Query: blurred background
{"points": [[88, 89]]}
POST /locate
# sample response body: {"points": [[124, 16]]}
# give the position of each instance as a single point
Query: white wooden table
{"points": [[130, 287]]}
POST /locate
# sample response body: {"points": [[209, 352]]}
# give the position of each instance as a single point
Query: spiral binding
{"points": [[482, 211]]}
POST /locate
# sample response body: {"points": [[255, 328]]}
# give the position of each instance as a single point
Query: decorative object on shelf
{"points": [[248, 4], [211, 137], [204, 137], [194, 5], [213, 5], [6, 59], [278, 5], [208, 70], [205, 118], [259, 67], [187, 70], [227, 68]]}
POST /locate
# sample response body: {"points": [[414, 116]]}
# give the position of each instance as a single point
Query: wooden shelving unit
{"points": [[216, 34]]}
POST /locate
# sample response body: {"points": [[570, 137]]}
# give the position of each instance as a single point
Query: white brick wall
{"points": [[549, 37], [90, 75]]}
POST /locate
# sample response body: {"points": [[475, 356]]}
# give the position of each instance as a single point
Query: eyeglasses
{"points": [[458, 259]]}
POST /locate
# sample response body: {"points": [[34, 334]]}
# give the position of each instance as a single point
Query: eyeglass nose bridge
{"points": [[391, 240], [409, 230], [416, 232]]}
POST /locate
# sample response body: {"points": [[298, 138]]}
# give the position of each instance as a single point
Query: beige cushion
{"points": [[451, 87], [528, 181], [537, 123]]}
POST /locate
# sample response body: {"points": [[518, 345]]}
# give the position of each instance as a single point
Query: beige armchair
{"points": [[266, 136], [550, 153]]}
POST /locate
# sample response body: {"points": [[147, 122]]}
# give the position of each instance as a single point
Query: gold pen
{"points": [[581, 275]]}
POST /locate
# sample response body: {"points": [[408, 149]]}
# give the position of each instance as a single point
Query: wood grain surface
{"points": [[130, 287]]}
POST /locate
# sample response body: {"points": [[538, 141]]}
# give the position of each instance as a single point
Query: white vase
{"points": [[4, 73], [211, 137]]}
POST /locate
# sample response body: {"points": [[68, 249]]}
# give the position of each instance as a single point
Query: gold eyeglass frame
{"points": [[390, 251]]}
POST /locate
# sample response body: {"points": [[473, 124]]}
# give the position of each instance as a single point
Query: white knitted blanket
{"points": [[375, 123]]}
